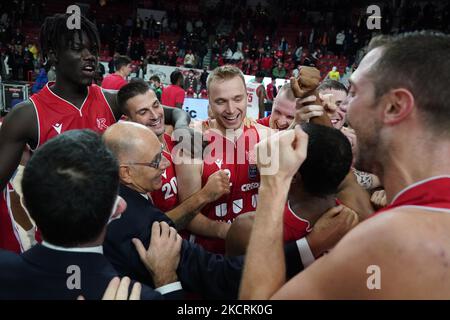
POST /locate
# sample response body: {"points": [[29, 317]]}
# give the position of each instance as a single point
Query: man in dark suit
{"points": [[212, 276], [70, 189]]}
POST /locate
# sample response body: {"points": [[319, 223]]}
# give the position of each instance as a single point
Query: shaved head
{"points": [[127, 139]]}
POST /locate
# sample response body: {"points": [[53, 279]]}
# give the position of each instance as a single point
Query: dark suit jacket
{"points": [[213, 276], [42, 273]]}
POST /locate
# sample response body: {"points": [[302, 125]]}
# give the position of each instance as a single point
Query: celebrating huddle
{"points": [[270, 208]]}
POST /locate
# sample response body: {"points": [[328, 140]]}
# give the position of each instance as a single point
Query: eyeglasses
{"points": [[153, 164]]}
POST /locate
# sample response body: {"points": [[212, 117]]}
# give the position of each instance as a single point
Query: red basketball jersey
{"points": [[294, 226], [166, 198], [56, 115], [9, 233], [238, 160]]}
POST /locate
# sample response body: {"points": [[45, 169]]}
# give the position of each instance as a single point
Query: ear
{"points": [[125, 175], [400, 104]]}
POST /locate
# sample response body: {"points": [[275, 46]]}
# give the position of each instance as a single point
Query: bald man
{"points": [[402, 252], [139, 104]]}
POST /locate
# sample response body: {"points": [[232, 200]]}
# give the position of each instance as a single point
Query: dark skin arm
{"points": [[19, 128], [173, 116], [261, 97]]}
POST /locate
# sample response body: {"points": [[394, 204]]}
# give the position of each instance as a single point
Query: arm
{"points": [[264, 270], [18, 129], [218, 184], [261, 97], [189, 182], [355, 197], [176, 117]]}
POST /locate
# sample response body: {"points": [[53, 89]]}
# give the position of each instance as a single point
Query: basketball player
{"points": [[231, 149], [255, 97]]}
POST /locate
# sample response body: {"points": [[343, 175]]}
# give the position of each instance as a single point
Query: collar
{"points": [[97, 249], [430, 194]]}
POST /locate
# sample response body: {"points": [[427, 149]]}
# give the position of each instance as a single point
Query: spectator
{"points": [[155, 85], [340, 38], [271, 90], [189, 59], [41, 81], [334, 74], [279, 71], [283, 45], [203, 78], [173, 95], [228, 55], [237, 56], [117, 80], [191, 81]]}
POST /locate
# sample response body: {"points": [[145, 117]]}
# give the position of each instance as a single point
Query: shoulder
{"points": [[385, 235], [22, 116]]}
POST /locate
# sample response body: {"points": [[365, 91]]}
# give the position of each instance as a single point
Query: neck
{"points": [[120, 73], [234, 132], [413, 160], [135, 187], [69, 90], [307, 206]]}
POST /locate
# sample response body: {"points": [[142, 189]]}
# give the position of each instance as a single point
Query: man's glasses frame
{"points": [[153, 164]]}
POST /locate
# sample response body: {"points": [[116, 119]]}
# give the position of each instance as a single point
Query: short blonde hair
{"points": [[224, 72], [287, 91]]}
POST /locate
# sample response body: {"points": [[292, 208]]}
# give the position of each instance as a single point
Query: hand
{"points": [[330, 228], [280, 155], [329, 102], [305, 111], [249, 122], [163, 254], [307, 81], [118, 290], [217, 185], [378, 199]]}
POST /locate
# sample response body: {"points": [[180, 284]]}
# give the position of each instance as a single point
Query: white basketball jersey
{"points": [[253, 100]]}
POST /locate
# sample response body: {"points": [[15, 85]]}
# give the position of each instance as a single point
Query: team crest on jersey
{"points": [[238, 205], [101, 124], [221, 210], [252, 171]]}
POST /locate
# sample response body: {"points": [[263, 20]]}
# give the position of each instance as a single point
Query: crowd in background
{"points": [[251, 37]]}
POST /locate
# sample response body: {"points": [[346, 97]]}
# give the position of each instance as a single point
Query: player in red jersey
{"points": [[401, 119], [231, 150], [72, 102], [313, 191], [140, 104], [283, 110]]}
